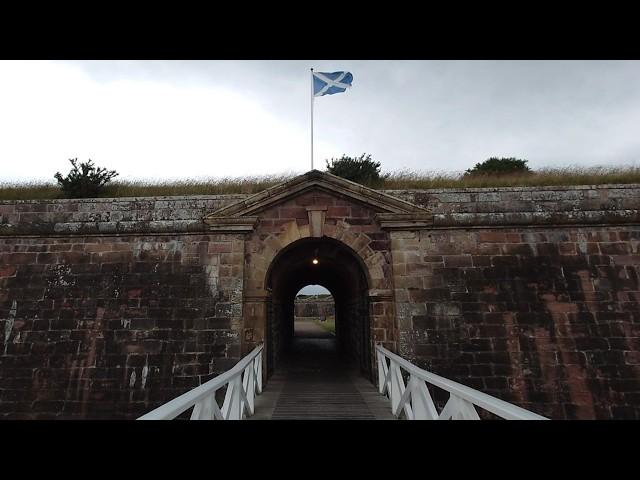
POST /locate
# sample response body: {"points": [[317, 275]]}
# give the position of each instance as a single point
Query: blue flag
{"points": [[325, 83]]}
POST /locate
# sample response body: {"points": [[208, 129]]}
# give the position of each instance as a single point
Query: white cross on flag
{"points": [[325, 83]]}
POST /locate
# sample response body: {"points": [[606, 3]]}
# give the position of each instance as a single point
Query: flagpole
{"points": [[312, 119]]}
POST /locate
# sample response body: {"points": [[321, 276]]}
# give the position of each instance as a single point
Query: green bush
{"points": [[499, 166], [361, 170], [84, 182]]}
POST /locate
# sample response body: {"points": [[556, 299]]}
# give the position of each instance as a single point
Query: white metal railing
{"points": [[244, 381], [415, 400]]}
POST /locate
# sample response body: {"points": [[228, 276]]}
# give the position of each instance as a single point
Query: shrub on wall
{"points": [[85, 180], [499, 166], [361, 170]]}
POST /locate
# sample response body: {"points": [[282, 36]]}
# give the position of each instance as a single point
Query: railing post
{"points": [[396, 387], [382, 371], [206, 409], [198, 411], [235, 401], [258, 362], [249, 387], [421, 402], [466, 410]]}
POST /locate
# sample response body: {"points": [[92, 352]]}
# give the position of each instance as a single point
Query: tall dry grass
{"points": [[398, 180], [150, 188], [543, 177]]}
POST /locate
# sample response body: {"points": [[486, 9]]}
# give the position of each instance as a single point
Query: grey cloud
{"points": [[436, 115]]}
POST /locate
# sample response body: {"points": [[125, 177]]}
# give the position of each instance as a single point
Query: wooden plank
{"points": [[315, 383]]}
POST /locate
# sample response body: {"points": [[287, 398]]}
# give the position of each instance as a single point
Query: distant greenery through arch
{"points": [[317, 301]]}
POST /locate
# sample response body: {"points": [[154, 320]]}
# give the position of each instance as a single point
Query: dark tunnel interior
{"points": [[340, 271]]}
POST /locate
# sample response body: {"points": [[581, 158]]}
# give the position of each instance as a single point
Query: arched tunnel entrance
{"points": [[333, 265]]}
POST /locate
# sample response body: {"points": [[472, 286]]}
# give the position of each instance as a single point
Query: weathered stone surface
{"points": [[479, 206], [129, 317], [110, 307], [533, 321], [314, 307]]}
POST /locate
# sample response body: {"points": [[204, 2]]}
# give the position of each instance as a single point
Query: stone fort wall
{"points": [[314, 307], [111, 307]]}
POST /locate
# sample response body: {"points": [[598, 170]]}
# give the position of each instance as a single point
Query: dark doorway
{"points": [[336, 267]]}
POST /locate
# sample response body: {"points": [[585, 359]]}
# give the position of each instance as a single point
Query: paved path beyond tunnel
{"points": [[314, 382]]}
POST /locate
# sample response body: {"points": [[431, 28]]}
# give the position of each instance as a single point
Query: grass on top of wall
{"points": [[395, 181], [149, 188], [540, 178]]}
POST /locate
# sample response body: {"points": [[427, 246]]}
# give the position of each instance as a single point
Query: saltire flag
{"points": [[325, 83]]}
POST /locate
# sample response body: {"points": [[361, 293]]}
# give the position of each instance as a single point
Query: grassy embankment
{"points": [[395, 181], [329, 324]]}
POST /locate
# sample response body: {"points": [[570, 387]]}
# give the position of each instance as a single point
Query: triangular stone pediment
{"points": [[242, 216]]}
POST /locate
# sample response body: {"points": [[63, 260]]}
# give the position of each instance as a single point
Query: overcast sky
{"points": [[176, 119]]}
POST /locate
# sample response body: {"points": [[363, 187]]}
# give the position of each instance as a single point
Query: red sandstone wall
{"points": [[346, 221], [547, 318], [111, 327], [314, 307]]}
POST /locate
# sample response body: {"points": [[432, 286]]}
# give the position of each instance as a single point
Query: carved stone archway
{"points": [[319, 206]]}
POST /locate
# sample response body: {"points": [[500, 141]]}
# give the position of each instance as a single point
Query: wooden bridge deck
{"points": [[315, 383]]}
